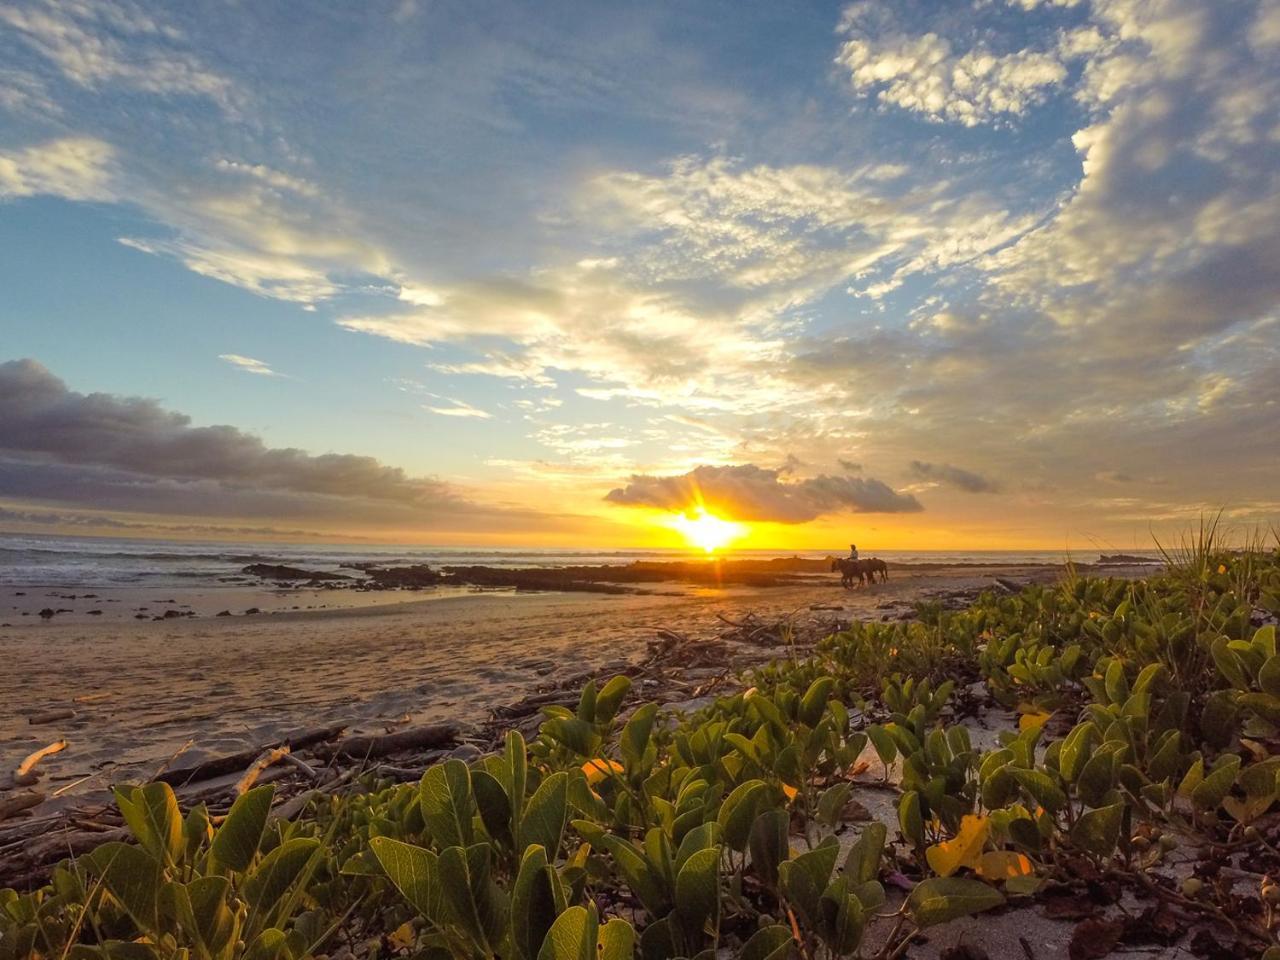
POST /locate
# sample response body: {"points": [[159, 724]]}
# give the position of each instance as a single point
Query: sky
{"points": [[999, 273]]}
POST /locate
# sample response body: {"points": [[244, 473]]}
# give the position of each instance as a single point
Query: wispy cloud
{"points": [[249, 365]]}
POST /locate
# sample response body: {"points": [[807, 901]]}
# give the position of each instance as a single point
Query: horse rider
{"points": [[853, 551]]}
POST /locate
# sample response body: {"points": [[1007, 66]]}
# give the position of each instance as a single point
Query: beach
{"points": [[145, 692]]}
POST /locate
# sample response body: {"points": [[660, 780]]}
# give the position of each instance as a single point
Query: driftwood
{"points": [[53, 716], [251, 775], [18, 802], [25, 773], [235, 762], [428, 737]]}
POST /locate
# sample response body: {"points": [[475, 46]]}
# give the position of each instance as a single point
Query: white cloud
{"points": [[460, 408], [94, 44], [249, 364], [74, 168], [924, 74]]}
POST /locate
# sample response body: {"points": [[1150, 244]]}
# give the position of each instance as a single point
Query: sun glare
{"points": [[707, 531]]}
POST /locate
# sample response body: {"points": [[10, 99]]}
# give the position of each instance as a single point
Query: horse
{"points": [[848, 570], [873, 566]]}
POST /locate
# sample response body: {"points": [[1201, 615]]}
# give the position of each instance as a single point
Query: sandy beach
{"points": [[143, 690]]}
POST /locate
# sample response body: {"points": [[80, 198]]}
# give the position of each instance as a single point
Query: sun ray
{"points": [[706, 530]]}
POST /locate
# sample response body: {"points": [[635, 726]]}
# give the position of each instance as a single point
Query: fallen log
{"points": [[236, 762], [53, 716], [19, 802], [428, 737]]}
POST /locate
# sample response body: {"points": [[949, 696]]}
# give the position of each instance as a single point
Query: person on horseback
{"points": [[853, 551]]}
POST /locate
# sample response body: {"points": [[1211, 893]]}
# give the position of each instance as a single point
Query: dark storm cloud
{"points": [[132, 455], [748, 492], [39, 416]]}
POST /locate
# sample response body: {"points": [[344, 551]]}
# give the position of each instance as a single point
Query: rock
{"points": [[95, 613], [251, 611], [277, 571], [223, 613], [465, 752], [48, 612], [418, 575]]}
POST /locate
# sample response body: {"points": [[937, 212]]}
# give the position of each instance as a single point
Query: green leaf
{"points": [[814, 702], [1210, 792], [1229, 664], [494, 806], [940, 899], [444, 796], [738, 813], [1076, 750], [575, 733], [152, 815], [414, 872], [1098, 831], [536, 900], [910, 818], [617, 940], [863, 861], [468, 891], [270, 944], [768, 844], [767, 943], [1041, 787], [546, 814], [886, 748], [276, 873], [841, 921], [639, 875], [237, 840], [610, 698], [698, 889], [803, 880], [572, 937], [133, 877], [215, 923], [1269, 675], [636, 732]]}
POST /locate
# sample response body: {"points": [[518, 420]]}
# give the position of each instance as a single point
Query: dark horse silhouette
{"points": [[848, 570], [864, 570], [875, 566]]}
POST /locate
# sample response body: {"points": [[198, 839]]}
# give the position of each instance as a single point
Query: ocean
{"points": [[27, 560]]}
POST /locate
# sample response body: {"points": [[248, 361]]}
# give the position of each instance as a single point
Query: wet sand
{"points": [[144, 690]]}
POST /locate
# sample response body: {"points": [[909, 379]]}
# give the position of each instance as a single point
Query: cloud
{"points": [[131, 455], [249, 365], [751, 493], [953, 476], [460, 408], [93, 44], [40, 416], [925, 75], [74, 168]]}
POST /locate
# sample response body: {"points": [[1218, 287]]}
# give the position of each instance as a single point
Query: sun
{"points": [[706, 530]]}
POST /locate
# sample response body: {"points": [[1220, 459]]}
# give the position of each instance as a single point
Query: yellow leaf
{"points": [[1037, 719], [790, 791], [1222, 568], [596, 770], [962, 850], [401, 937], [1003, 865]]}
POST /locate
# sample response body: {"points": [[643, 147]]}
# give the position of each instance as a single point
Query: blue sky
{"points": [[1000, 272]]}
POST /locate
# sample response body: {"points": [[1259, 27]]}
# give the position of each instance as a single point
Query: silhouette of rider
{"points": [[853, 551]]}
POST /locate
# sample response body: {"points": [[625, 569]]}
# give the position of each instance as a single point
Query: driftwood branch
{"points": [[234, 763], [432, 736]]}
